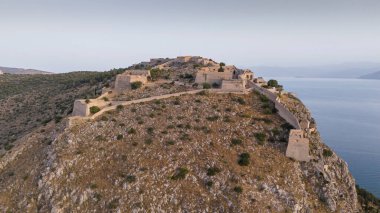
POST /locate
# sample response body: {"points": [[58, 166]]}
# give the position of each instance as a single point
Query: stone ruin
{"points": [[227, 77], [123, 81], [298, 146]]}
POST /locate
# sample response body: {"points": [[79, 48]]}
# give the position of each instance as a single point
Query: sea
{"points": [[347, 112]]}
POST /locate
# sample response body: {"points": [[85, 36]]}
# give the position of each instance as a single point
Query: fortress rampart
{"points": [[282, 110]]}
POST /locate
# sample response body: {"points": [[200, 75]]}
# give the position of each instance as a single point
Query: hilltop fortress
{"points": [[194, 74]]}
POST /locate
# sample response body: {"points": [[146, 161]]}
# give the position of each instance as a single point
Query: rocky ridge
{"points": [[177, 154]]}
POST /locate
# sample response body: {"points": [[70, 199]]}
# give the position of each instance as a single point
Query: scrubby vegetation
{"points": [[30, 101], [136, 84], [369, 202]]}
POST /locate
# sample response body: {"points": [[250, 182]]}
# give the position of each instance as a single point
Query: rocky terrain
{"points": [[203, 152]]}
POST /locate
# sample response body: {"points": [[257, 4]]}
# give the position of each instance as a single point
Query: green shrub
{"points": [[206, 86], [119, 107], [209, 183], [272, 83], [119, 137], [170, 142], [240, 100], [87, 101], [130, 178], [150, 130], [236, 141], [148, 141], [244, 159], [327, 153], [176, 101], [8, 146], [94, 109], [264, 98], [131, 131], [238, 189], [213, 171], [261, 137], [180, 173], [136, 85], [105, 99]]}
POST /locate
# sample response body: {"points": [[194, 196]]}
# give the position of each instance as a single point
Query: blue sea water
{"points": [[347, 112]]}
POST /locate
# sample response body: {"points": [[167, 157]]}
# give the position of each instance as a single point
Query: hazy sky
{"points": [[65, 35]]}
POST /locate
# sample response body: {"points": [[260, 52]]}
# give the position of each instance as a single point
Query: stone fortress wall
{"points": [[298, 144], [282, 110]]}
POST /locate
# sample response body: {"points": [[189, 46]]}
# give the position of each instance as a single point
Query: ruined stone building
{"points": [[124, 80], [227, 77], [298, 146]]}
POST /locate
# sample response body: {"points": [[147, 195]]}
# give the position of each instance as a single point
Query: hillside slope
{"points": [[31, 101], [196, 152]]}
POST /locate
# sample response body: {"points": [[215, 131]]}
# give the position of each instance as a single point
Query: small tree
{"points": [[244, 159], [272, 83], [136, 84], [94, 109]]}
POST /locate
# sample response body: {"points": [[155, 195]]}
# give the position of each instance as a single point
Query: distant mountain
{"points": [[375, 75], [10, 70], [347, 70]]}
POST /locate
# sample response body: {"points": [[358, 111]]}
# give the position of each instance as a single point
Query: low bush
{"points": [[238, 189], [176, 101], [261, 137], [236, 141], [136, 85], [94, 109], [150, 130], [119, 137], [180, 173], [170, 142], [240, 100], [130, 178], [131, 131], [244, 159], [119, 107], [327, 153], [148, 141], [213, 171]]}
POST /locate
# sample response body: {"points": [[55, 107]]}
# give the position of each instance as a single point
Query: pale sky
{"points": [[57, 35]]}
